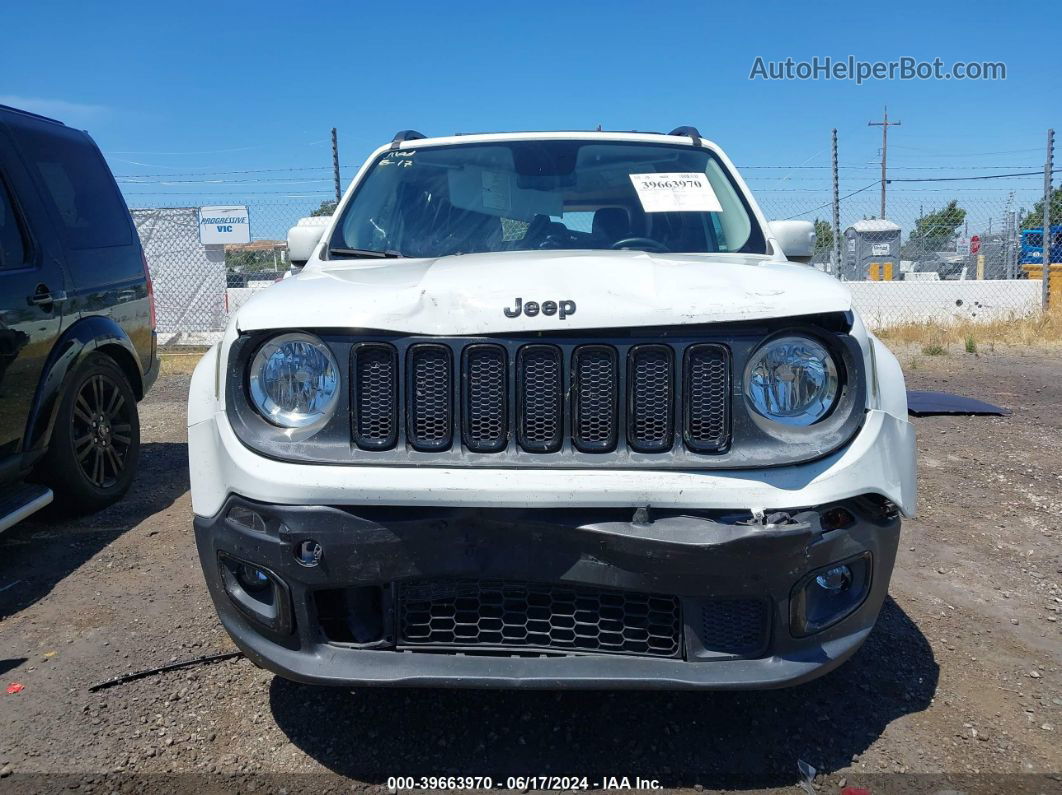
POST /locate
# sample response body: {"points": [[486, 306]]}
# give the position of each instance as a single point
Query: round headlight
{"points": [[294, 381], [791, 380]]}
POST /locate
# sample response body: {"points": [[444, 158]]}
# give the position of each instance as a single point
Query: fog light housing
{"points": [[257, 593], [835, 580], [827, 595], [252, 578]]}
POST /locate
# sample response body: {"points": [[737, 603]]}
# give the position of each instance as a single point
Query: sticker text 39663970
{"points": [[676, 193]]}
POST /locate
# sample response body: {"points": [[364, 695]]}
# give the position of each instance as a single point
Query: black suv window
{"points": [[12, 239], [80, 188]]}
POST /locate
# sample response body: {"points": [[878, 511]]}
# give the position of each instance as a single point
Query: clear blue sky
{"points": [[201, 88]]}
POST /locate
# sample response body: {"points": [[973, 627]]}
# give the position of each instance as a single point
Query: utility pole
{"points": [[335, 164], [1009, 253], [1047, 237], [836, 213], [884, 124]]}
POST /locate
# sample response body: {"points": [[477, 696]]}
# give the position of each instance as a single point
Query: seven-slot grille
{"points": [[599, 397]]}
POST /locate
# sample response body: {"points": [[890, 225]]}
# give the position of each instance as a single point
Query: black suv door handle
{"points": [[45, 297]]}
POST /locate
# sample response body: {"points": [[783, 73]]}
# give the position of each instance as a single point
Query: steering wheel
{"points": [[555, 240], [639, 243]]}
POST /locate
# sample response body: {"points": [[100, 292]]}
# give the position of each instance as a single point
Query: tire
{"points": [[95, 444]]}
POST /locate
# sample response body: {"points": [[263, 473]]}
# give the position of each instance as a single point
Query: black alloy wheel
{"points": [[101, 426], [95, 444]]}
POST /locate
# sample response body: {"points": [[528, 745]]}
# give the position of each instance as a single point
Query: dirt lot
{"points": [[961, 676]]}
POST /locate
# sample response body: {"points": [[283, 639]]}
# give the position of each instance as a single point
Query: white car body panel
{"points": [[466, 294]]}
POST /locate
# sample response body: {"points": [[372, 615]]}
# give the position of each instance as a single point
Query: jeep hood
{"points": [[467, 294]]}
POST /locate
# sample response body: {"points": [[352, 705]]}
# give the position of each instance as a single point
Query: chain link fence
{"points": [[197, 287], [948, 249], [939, 255]]}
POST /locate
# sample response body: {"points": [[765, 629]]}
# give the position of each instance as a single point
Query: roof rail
{"points": [[406, 135], [31, 114], [519, 132], [690, 132]]}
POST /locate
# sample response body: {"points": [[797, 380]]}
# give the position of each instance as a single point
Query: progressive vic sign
{"points": [[220, 225]]}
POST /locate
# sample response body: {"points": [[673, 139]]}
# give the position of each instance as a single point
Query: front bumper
{"points": [[700, 558]]}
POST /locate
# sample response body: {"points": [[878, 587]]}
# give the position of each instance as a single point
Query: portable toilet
{"points": [[872, 251]]}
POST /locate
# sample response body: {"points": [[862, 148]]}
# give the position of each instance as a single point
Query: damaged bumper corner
{"points": [[547, 597]]}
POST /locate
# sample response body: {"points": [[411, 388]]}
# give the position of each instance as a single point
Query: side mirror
{"points": [[302, 240], [795, 238]]}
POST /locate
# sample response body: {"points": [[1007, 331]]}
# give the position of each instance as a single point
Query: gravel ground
{"points": [[960, 678]]}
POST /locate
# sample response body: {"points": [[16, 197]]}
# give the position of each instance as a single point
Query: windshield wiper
{"points": [[364, 252]]}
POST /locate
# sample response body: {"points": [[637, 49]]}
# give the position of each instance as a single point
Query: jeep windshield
{"points": [[436, 201]]}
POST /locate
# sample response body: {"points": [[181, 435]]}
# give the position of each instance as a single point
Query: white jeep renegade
{"points": [[550, 410]]}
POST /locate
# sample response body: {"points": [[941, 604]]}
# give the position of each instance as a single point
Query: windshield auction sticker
{"points": [[676, 193]]}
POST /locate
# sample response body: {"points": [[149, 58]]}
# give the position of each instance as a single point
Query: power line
{"points": [[854, 178], [244, 171], [130, 180], [873, 167], [257, 180], [952, 190], [207, 152], [827, 204], [215, 196], [960, 179], [937, 153], [170, 176]]}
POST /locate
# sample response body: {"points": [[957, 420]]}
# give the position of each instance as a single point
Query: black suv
{"points": [[77, 323]]}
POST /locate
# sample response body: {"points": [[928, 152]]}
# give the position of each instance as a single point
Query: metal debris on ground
{"points": [[131, 677], [807, 774], [928, 404]]}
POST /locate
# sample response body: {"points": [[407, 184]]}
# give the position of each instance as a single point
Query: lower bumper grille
{"points": [[485, 615], [735, 627]]}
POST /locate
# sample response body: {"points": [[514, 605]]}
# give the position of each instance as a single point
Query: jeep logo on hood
{"points": [[561, 309]]}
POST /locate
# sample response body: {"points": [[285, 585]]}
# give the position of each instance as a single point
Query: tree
{"points": [[1035, 218], [326, 208], [933, 231], [823, 236], [241, 260]]}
